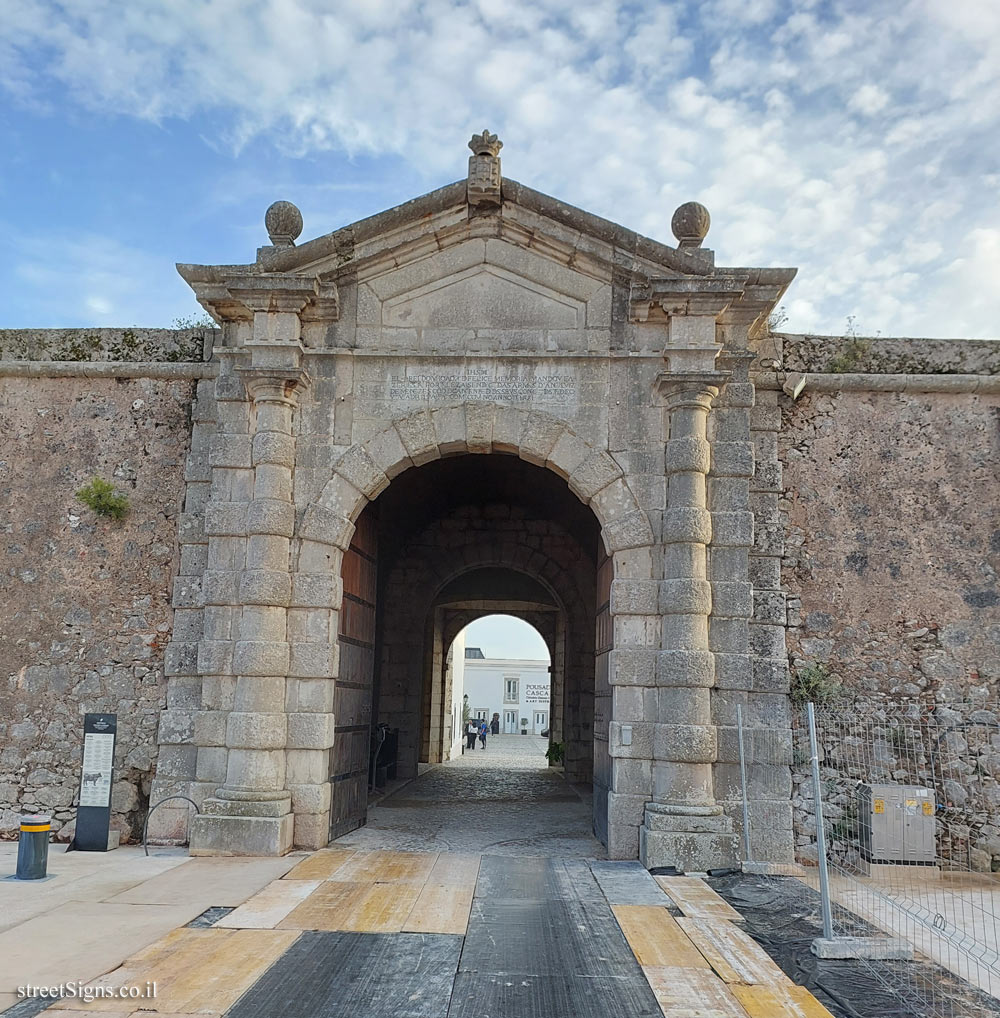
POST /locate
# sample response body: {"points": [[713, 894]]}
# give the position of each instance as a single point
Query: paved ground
{"points": [[504, 800], [475, 891], [391, 934]]}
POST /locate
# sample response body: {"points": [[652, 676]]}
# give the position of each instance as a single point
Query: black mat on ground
{"points": [[211, 916], [783, 915], [478, 995], [543, 938], [503, 878], [357, 975], [27, 1008]]}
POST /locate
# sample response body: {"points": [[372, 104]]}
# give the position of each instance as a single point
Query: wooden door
{"points": [[352, 700]]}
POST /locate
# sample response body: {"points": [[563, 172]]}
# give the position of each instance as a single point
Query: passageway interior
{"points": [[445, 544], [504, 800]]}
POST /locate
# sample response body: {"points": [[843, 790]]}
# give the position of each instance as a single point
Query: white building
{"points": [[515, 689]]}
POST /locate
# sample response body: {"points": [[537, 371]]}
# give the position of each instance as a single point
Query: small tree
{"points": [[100, 497]]}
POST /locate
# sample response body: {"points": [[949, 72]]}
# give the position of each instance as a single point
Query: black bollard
{"points": [[33, 847]]}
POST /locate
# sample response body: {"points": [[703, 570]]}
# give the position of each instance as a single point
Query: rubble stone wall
{"points": [[131, 345], [84, 600], [893, 553]]}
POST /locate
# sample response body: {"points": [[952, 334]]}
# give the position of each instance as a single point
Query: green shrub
{"points": [[849, 356], [555, 753], [814, 684], [100, 496]]}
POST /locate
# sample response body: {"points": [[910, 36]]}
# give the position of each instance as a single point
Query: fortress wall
{"points": [[892, 502], [85, 601]]}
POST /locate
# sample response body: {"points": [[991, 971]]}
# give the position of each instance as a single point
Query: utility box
{"points": [[896, 824]]}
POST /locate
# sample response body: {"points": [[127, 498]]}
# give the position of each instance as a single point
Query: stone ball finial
{"points": [[690, 224], [284, 223]]}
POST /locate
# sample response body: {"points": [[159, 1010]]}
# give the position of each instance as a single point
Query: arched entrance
{"points": [[448, 542], [469, 323]]}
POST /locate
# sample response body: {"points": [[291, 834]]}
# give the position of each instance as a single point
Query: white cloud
{"points": [[853, 140]]}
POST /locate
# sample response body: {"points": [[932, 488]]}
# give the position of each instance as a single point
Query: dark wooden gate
{"points": [[352, 701], [602, 693]]}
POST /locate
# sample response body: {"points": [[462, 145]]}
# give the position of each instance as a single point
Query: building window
{"points": [[481, 713], [510, 691]]}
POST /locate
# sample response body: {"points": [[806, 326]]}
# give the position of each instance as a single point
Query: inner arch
{"points": [[466, 536]]}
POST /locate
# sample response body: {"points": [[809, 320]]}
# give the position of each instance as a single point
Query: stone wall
{"points": [[893, 549], [886, 355], [85, 601], [135, 344]]}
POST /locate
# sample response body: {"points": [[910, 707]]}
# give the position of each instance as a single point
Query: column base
{"points": [[238, 828], [691, 842]]}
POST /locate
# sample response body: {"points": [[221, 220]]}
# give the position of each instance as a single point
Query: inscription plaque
{"points": [[481, 386]]}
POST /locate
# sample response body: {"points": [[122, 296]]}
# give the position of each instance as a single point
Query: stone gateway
{"points": [[481, 401]]}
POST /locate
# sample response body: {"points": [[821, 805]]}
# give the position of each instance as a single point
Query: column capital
{"points": [[690, 388], [267, 385], [279, 294]]}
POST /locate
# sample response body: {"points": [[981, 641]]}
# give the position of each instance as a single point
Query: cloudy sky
{"points": [[857, 140]]}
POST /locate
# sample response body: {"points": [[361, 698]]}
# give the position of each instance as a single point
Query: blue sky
{"points": [[858, 141]]}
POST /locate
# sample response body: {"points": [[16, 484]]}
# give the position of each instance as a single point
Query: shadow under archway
{"points": [[455, 539]]}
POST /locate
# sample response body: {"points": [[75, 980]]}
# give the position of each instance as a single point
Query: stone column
{"points": [[683, 825], [251, 813]]}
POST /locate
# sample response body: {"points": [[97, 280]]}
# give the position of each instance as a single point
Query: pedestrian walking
{"points": [[483, 729], [471, 731], [495, 725]]}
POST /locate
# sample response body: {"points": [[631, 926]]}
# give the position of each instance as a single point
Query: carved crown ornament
{"points": [[484, 169]]}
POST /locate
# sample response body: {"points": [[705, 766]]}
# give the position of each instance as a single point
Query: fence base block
{"points": [[870, 948]]}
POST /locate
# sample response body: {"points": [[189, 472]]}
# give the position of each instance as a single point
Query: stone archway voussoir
{"points": [[324, 526], [631, 530], [342, 497], [362, 471]]}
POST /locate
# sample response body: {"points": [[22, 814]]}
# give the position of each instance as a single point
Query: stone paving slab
{"points": [[697, 900], [269, 906], [217, 881], [82, 940], [78, 876], [320, 865], [628, 883], [694, 993], [195, 971]]}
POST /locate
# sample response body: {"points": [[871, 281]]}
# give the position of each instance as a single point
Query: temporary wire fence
{"points": [[908, 803]]}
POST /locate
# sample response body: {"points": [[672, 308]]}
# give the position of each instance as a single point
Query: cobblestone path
{"points": [[504, 800]]}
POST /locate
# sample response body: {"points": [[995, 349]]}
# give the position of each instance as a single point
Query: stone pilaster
{"points": [[683, 825], [251, 813]]}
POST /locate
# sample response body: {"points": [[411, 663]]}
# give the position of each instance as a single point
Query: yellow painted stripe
{"points": [[655, 938], [36, 827], [735, 956], [779, 1002]]}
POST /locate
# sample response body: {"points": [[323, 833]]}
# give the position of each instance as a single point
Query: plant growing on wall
{"points": [[101, 498], [814, 683], [555, 753]]}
